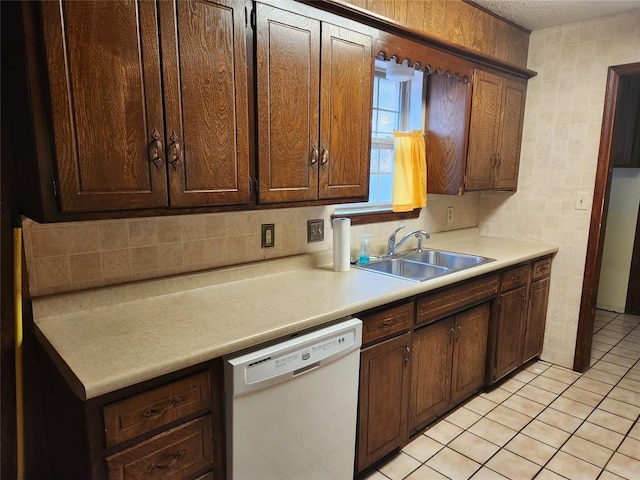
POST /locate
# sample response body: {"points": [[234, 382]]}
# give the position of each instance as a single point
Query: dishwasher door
{"points": [[291, 407]]}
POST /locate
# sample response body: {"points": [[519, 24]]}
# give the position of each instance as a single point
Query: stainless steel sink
{"points": [[403, 268], [425, 265], [453, 261]]}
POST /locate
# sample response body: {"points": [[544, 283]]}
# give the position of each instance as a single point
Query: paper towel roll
{"points": [[341, 244]]}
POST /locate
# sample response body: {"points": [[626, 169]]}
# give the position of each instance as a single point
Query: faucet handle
{"points": [[393, 235]]}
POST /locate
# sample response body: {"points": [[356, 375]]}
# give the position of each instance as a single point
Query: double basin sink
{"points": [[424, 265]]}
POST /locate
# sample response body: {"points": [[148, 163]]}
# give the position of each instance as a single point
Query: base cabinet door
{"points": [[384, 389], [511, 321], [430, 372], [469, 352], [536, 318]]}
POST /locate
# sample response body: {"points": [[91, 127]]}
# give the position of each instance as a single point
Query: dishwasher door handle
{"points": [[306, 368]]}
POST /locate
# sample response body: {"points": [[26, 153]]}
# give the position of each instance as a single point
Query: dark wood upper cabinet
{"points": [[206, 105], [103, 64], [345, 114], [495, 132], [447, 114], [141, 124], [474, 133], [313, 128]]}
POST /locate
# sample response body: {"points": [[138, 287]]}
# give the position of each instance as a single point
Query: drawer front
{"points": [[541, 269], [450, 300], [176, 454], [392, 320], [515, 277], [142, 413]]}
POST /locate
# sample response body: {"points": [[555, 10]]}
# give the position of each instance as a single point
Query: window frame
{"points": [[364, 213]]}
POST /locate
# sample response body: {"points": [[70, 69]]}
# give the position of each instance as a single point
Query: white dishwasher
{"points": [[291, 407]]}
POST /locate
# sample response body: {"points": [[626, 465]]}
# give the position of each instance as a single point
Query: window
{"points": [[396, 106]]}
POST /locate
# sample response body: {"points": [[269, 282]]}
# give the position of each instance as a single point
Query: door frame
{"points": [[595, 244]]}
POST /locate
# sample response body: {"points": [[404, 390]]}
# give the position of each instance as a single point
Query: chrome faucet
{"points": [[393, 246]]}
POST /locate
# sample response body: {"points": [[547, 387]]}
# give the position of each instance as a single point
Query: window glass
{"points": [[396, 106]]}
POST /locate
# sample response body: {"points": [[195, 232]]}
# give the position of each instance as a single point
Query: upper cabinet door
{"points": [[205, 84], [288, 82], [506, 174], [103, 65], [345, 133], [483, 130]]}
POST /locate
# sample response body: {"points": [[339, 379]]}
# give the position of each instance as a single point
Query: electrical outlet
{"points": [[581, 201], [449, 215], [268, 235], [315, 230]]}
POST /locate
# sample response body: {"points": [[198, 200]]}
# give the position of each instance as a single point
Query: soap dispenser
{"points": [[365, 249]]}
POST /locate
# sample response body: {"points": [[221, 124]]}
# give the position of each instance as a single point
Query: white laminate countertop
{"points": [[113, 337]]}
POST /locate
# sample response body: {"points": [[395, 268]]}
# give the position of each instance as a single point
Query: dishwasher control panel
{"points": [[295, 356]]}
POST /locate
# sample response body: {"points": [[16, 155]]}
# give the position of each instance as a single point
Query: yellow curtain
{"points": [[410, 174]]}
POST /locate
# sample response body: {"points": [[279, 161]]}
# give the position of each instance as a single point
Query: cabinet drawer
{"points": [[177, 454], [386, 322], [541, 269], [142, 413], [515, 277], [441, 304]]}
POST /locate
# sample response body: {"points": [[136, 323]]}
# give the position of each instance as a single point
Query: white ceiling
{"points": [[537, 14]]}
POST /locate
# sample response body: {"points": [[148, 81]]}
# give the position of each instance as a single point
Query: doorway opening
{"points": [[598, 223]]}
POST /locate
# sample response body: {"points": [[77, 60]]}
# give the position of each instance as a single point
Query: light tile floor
{"points": [[544, 422]]}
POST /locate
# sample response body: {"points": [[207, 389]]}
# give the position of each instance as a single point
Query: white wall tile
{"points": [[563, 118]]}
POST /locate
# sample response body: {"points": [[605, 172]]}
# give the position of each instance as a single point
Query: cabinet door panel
{"points": [[430, 372], [104, 74], [205, 82], [288, 83], [347, 78], [447, 115], [509, 333], [384, 389], [470, 352], [506, 175], [483, 132], [536, 319]]}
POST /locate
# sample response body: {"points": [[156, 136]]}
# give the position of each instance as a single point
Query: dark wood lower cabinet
{"points": [[536, 319], [448, 363], [470, 352], [169, 427], [511, 322], [384, 390], [430, 372]]}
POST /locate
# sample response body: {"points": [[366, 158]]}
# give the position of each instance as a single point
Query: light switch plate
{"points": [[581, 201], [315, 230]]}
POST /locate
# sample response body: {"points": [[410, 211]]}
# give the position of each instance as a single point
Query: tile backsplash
{"points": [[75, 255]]}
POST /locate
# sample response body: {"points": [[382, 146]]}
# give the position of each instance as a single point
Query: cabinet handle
{"points": [[155, 149], [494, 160], [314, 155], [166, 466], [324, 158], [388, 322], [407, 351], [175, 151], [155, 412], [515, 278], [452, 330], [459, 331], [498, 160]]}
